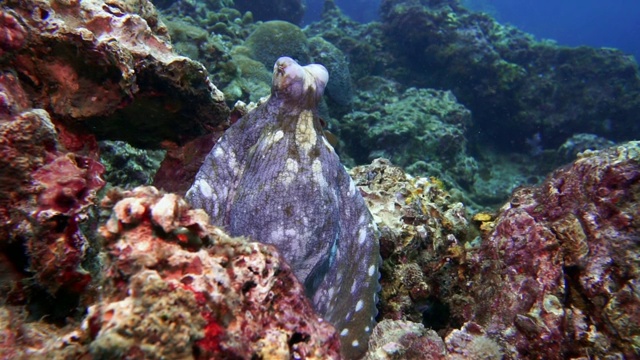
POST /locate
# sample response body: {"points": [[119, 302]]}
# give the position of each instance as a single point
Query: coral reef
{"points": [[100, 68], [265, 10], [181, 164], [578, 143], [559, 262], [397, 339], [128, 167], [46, 194], [495, 70], [339, 89], [422, 130], [176, 287], [550, 276], [243, 299], [251, 80], [273, 39], [422, 240], [361, 43]]}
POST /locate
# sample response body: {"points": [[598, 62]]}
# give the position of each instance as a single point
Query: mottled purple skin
{"points": [[274, 178]]}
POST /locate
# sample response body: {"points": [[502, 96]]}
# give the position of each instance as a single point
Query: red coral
{"points": [[246, 300]]}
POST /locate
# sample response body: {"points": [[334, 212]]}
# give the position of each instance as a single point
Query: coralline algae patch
{"points": [[175, 287], [551, 275], [178, 285]]}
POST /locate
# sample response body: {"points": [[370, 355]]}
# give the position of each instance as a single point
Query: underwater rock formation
{"points": [[421, 130], [103, 67], [175, 287], [265, 10], [128, 167], [422, 238], [273, 39], [404, 340], [498, 71], [274, 178], [551, 276], [560, 261], [46, 193], [203, 291], [362, 43]]}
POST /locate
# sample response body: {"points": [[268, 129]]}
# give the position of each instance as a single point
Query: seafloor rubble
{"points": [[91, 272]]}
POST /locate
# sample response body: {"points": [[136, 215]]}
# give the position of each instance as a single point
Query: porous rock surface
{"points": [[104, 66], [177, 287], [551, 275]]}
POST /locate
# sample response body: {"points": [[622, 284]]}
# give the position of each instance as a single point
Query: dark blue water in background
{"points": [[597, 23]]}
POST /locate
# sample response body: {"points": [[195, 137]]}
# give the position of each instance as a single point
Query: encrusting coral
{"points": [[177, 287], [102, 67]]}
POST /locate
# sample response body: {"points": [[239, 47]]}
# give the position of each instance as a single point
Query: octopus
{"points": [[274, 178]]}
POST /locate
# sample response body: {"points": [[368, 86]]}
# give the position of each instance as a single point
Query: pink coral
{"points": [[558, 267], [101, 67], [241, 298]]}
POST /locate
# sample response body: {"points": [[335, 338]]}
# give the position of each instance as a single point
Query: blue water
{"points": [[596, 23]]}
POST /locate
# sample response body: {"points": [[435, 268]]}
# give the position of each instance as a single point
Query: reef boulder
{"points": [[274, 39], [102, 67], [175, 286], [515, 85], [265, 10]]}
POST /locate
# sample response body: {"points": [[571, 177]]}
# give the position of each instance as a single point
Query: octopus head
{"points": [[298, 83]]}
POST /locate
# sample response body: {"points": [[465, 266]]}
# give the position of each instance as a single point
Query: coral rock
{"points": [[288, 10], [46, 194], [101, 67], [556, 272], [167, 294], [397, 339]]}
